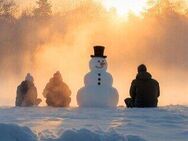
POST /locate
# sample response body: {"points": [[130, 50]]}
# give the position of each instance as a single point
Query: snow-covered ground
{"points": [[94, 124]]}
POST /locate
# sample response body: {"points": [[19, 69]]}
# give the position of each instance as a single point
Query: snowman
{"points": [[98, 90]]}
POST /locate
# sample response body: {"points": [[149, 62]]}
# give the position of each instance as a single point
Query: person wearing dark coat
{"points": [[144, 90], [26, 94]]}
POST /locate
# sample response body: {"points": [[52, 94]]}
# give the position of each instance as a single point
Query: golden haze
{"points": [[65, 43]]}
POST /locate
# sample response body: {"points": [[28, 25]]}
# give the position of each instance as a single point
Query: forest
{"points": [[37, 39]]}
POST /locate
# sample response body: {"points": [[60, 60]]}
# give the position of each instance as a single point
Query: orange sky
{"points": [[68, 46]]}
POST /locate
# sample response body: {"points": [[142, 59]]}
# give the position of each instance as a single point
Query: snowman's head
{"points": [[98, 63]]}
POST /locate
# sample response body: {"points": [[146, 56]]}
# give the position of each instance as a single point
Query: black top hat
{"points": [[99, 51]]}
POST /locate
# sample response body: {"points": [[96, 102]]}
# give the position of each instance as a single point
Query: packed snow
{"points": [[98, 90], [94, 124]]}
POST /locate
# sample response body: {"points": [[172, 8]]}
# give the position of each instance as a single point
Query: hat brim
{"points": [[98, 56]]}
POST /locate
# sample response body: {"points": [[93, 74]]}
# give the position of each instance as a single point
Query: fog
{"points": [[64, 41]]}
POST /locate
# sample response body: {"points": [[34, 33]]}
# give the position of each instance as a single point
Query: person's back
{"points": [[56, 92], [26, 94], [144, 90], [30, 97]]}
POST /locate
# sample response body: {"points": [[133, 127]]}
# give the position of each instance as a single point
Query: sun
{"points": [[124, 7]]}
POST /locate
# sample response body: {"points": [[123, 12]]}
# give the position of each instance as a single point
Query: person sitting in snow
{"points": [[144, 90], [56, 92], [27, 93]]}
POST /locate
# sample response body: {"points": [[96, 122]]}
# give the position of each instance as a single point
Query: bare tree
{"points": [[1, 7], [7, 8], [161, 7], [44, 9]]}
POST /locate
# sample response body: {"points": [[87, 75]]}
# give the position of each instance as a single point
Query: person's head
{"points": [[57, 78], [29, 77], [57, 74], [142, 68]]}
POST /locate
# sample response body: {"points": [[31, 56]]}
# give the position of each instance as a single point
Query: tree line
{"points": [[34, 27], [8, 8]]}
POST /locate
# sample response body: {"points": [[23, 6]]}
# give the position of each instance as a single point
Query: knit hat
{"points": [[29, 77], [142, 68]]}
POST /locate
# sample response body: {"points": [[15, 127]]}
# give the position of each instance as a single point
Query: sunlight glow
{"points": [[124, 7]]}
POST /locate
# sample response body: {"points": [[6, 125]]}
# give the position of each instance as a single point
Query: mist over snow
{"points": [[42, 45]]}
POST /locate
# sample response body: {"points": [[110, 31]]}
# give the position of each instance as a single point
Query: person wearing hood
{"points": [[27, 93], [57, 92], [144, 90]]}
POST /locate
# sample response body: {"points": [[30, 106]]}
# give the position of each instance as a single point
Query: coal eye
{"points": [[99, 61]]}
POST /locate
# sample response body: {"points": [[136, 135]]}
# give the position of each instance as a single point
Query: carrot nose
{"points": [[102, 63]]}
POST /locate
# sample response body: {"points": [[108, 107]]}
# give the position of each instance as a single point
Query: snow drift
{"points": [[87, 135], [94, 124], [12, 132]]}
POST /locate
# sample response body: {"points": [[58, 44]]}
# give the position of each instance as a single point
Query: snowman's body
{"points": [[98, 90]]}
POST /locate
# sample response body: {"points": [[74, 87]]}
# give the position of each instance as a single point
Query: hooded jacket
{"points": [[144, 90]]}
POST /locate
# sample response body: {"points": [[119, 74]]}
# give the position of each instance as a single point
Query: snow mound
{"points": [[87, 135], [100, 124], [12, 132], [134, 138]]}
